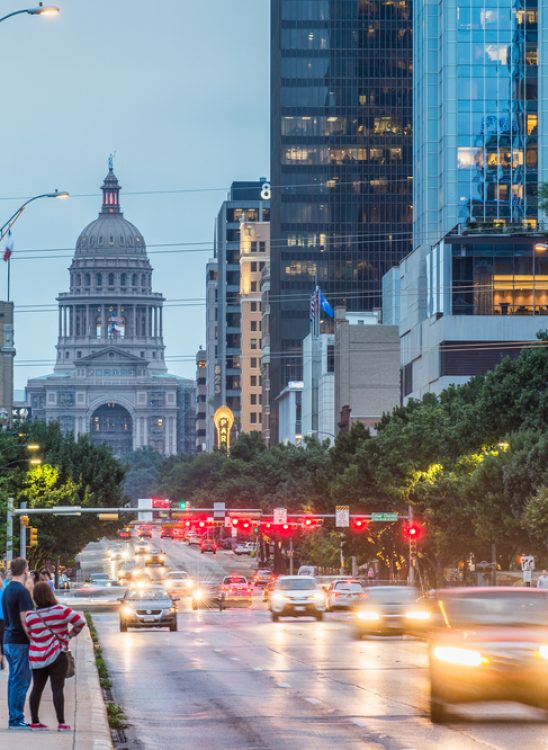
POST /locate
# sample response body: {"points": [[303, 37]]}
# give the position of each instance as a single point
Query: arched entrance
{"points": [[112, 425]]}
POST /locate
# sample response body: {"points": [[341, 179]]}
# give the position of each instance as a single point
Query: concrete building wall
{"points": [[367, 369]]}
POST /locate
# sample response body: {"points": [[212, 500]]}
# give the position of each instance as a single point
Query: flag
{"points": [[9, 247], [324, 304]]}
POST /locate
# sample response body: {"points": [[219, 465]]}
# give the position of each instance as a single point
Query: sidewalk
{"points": [[84, 710]]}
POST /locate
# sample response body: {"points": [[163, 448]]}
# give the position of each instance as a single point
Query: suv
{"points": [[297, 596]]}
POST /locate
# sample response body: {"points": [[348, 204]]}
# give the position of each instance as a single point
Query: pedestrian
{"points": [[45, 575], [32, 579], [2, 623], [16, 602], [49, 634], [542, 580]]}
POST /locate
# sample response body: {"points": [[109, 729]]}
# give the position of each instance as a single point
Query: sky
{"points": [[179, 90]]}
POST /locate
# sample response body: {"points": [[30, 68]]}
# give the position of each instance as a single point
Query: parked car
{"points": [[297, 596], [148, 608]]}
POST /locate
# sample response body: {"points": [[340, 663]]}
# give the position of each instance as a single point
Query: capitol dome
{"points": [[110, 235]]}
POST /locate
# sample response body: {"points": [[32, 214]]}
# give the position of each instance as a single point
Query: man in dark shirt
{"points": [[16, 602]]}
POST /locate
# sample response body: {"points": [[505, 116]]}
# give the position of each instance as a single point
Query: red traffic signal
{"points": [[246, 525], [359, 524], [412, 532], [310, 522]]}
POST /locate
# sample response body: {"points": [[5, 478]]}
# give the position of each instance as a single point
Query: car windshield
{"points": [[496, 609], [147, 594], [353, 588], [177, 576], [296, 584], [391, 595]]}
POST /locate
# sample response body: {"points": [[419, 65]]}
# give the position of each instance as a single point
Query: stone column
{"points": [[161, 322]]}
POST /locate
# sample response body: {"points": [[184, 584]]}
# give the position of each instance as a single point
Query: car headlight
{"points": [[319, 597], [277, 598], [168, 584], [543, 652], [188, 583], [127, 610], [419, 615], [461, 657], [368, 615], [199, 594]]}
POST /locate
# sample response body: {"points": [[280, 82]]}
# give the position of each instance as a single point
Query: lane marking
{"points": [[314, 701], [283, 685], [218, 650], [257, 669], [234, 658]]}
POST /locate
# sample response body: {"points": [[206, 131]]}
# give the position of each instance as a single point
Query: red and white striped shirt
{"points": [[49, 633]]}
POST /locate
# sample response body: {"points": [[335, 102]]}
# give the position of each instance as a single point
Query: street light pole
{"points": [[40, 10], [5, 228]]}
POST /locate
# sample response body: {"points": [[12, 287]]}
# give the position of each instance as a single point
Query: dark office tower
{"points": [[341, 145]]}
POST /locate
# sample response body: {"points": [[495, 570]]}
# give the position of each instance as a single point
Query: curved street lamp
{"points": [[40, 10], [4, 229]]}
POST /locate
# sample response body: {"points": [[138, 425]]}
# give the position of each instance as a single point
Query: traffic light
{"points": [[183, 505], [24, 520], [412, 532], [33, 536], [309, 523], [202, 524], [246, 525], [359, 523]]}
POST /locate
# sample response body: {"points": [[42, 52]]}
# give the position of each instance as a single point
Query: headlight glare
{"points": [[543, 651], [127, 610], [368, 615], [461, 657], [418, 614]]}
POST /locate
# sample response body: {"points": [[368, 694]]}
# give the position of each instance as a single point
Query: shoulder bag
{"points": [[71, 670]]}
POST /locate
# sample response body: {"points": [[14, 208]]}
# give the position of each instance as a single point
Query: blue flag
{"points": [[326, 307]]}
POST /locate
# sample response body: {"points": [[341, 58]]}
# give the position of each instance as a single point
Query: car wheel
{"points": [[173, 628], [123, 627], [319, 616], [438, 711], [194, 605], [275, 617]]}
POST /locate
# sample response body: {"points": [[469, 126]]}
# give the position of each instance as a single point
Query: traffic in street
{"points": [[230, 677]]}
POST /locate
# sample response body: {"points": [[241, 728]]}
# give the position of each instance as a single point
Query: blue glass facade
{"points": [[341, 145], [480, 113]]}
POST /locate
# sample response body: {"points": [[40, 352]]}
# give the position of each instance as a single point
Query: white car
{"points": [[244, 548], [344, 594], [297, 596], [178, 582]]}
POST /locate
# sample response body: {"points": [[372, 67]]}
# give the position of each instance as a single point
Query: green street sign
{"points": [[384, 516]]}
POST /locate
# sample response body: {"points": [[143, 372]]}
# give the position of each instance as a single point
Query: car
{"points": [[388, 610], [235, 590], [150, 607], [205, 594], [297, 596], [488, 644], [344, 594], [208, 545], [179, 582], [244, 548], [141, 548], [155, 558], [125, 533], [193, 538], [125, 572], [144, 531], [262, 577]]}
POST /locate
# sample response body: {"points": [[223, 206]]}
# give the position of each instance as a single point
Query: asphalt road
{"points": [[235, 680]]}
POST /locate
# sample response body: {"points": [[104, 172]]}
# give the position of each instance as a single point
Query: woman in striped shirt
{"points": [[49, 635]]}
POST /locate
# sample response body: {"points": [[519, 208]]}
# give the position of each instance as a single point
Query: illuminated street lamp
{"points": [[39, 10], [4, 229]]}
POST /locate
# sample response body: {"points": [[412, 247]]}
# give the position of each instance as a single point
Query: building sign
{"points": [[223, 420]]}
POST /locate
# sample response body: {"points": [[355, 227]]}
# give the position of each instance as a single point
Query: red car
{"points": [[208, 545], [235, 590]]}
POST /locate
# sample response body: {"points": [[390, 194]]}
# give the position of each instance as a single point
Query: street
{"points": [[236, 680]]}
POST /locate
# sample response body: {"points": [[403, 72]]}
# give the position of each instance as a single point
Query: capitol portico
{"points": [[110, 379]]}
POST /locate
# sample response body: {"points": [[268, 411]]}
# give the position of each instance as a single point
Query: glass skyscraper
{"points": [[481, 106], [341, 145]]}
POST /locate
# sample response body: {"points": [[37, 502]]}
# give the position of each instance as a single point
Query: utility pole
{"points": [[9, 531], [341, 550], [411, 576], [22, 534], [291, 556]]}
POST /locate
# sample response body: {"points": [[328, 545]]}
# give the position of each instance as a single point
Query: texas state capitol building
{"points": [[110, 379]]}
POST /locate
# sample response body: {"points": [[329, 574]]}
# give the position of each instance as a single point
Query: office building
{"points": [[290, 410], [341, 161], [201, 401], [475, 287], [318, 396], [246, 202], [213, 370], [254, 258], [265, 352], [110, 380]]}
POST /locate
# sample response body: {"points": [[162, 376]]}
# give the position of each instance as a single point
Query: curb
{"points": [[92, 731]]}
